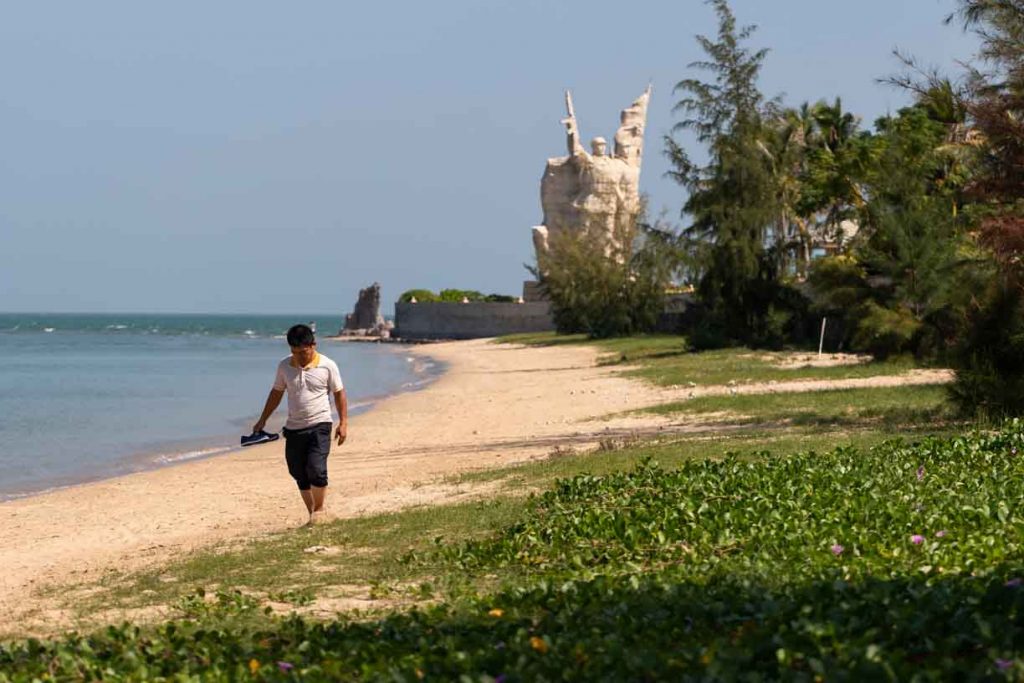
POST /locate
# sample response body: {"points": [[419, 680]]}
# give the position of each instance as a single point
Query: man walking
{"points": [[310, 378]]}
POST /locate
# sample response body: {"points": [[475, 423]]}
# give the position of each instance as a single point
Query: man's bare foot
{"points": [[316, 517]]}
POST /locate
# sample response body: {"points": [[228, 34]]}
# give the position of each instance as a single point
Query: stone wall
{"points": [[469, 321]]}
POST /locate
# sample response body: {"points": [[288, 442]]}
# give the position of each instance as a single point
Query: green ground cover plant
{"points": [[749, 442], [900, 561]]}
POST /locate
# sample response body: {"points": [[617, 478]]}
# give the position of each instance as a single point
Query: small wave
{"points": [[423, 367], [249, 333], [5, 497], [168, 458], [48, 329], [117, 327], [420, 365]]}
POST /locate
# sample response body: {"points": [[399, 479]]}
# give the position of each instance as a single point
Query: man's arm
{"points": [[273, 401], [341, 403]]}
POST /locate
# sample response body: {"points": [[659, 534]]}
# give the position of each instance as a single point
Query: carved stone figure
{"points": [[592, 192], [366, 317]]}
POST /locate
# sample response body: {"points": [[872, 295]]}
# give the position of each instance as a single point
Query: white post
{"points": [[821, 341]]}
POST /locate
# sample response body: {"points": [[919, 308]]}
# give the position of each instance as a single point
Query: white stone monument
{"points": [[591, 192]]}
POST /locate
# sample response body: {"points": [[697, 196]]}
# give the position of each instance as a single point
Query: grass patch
{"points": [[364, 553], [543, 339], [894, 406], [665, 360], [745, 366], [715, 445]]}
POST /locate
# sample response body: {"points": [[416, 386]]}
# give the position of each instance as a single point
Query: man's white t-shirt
{"points": [[309, 390]]}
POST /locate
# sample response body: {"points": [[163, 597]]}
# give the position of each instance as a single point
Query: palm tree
{"points": [[835, 165], [786, 141], [837, 126]]}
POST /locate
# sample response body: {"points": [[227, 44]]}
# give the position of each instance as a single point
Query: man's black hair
{"points": [[301, 335]]}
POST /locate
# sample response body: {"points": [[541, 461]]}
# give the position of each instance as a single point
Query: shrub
{"points": [[883, 332], [989, 356], [422, 295], [607, 287], [457, 295], [453, 296]]}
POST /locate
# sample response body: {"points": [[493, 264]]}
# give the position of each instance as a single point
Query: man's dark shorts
{"points": [[306, 451]]}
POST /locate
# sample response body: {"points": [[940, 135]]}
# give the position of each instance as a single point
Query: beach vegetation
{"points": [[898, 560]]}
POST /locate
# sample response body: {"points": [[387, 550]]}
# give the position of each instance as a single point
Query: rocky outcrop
{"points": [[365, 319]]}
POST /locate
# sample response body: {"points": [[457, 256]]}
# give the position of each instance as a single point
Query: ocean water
{"points": [[84, 397]]}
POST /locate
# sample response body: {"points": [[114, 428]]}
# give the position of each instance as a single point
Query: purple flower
{"points": [[940, 534], [837, 550], [1013, 451], [1004, 664], [285, 666], [917, 539], [500, 678], [920, 473], [1014, 583]]}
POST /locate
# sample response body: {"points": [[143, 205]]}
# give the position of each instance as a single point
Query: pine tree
{"points": [[732, 199]]}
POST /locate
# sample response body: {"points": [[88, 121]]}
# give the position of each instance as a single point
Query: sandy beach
{"points": [[496, 405]]}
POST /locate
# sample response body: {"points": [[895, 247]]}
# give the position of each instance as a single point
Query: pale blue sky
{"points": [[275, 157]]}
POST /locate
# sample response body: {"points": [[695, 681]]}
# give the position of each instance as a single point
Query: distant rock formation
{"points": [[365, 319]]}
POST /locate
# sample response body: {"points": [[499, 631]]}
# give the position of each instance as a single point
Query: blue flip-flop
{"points": [[259, 437]]}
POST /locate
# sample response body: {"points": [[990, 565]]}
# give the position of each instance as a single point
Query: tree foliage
{"points": [[608, 285], [734, 198], [910, 252], [989, 355], [452, 296]]}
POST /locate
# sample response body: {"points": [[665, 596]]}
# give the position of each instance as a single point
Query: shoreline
{"points": [[165, 454], [495, 405]]}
